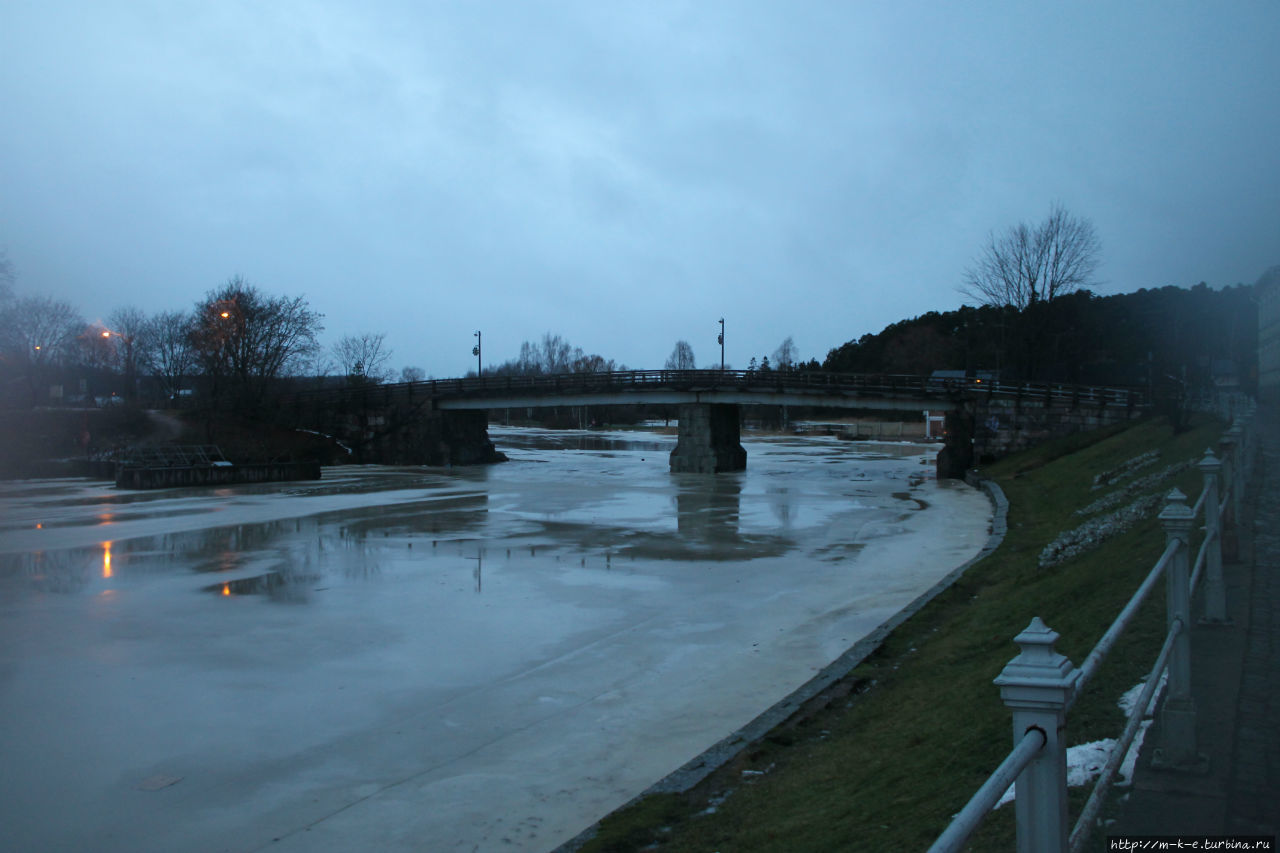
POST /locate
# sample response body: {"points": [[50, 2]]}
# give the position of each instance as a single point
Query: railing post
{"points": [[1227, 453], [1237, 469], [1215, 593], [1177, 750], [1248, 436], [1037, 685]]}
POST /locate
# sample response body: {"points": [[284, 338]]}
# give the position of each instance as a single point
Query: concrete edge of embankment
{"points": [[703, 765]]}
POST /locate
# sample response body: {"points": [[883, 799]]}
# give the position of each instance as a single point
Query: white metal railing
{"points": [[1040, 685], [964, 823]]}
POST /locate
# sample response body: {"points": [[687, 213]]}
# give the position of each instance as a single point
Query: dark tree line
{"points": [[235, 345], [1130, 339]]}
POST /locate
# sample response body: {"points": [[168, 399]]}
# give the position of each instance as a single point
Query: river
{"points": [[432, 659]]}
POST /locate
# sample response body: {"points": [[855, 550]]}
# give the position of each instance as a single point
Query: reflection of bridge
{"points": [[443, 420]]}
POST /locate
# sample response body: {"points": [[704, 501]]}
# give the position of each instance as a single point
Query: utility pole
{"points": [[475, 350]]}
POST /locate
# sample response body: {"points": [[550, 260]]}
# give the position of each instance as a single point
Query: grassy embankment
{"points": [[884, 758]]}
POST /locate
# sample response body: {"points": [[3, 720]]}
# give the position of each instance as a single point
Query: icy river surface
{"points": [[400, 659]]}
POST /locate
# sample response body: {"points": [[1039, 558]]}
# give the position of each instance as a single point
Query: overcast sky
{"points": [[624, 174]]}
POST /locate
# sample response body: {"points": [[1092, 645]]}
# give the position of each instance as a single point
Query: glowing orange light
{"points": [[106, 334], [39, 526], [226, 590], [106, 559], [226, 314]]}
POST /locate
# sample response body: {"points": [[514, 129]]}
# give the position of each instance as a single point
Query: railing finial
{"points": [[1176, 514]]}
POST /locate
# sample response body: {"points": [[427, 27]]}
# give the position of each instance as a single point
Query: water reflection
{"points": [[282, 586], [591, 509], [572, 440], [57, 572], [709, 512], [780, 502]]}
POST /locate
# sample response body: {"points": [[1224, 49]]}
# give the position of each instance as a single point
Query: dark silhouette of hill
{"points": [[1197, 335]]}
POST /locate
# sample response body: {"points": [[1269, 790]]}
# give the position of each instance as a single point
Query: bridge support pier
{"points": [[433, 438], [956, 456], [710, 439]]}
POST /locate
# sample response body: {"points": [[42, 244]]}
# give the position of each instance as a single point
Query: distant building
{"points": [[1267, 293]]}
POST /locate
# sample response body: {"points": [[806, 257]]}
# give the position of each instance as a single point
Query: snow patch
{"points": [[1085, 761]]}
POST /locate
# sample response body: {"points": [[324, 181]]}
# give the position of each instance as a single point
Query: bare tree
{"points": [[129, 330], [94, 350], [784, 357], [363, 358], [40, 333], [244, 340], [171, 353], [1031, 264], [591, 363], [412, 374], [553, 354], [681, 357]]}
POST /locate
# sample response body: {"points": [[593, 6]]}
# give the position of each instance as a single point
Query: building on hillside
{"points": [[1267, 293]]}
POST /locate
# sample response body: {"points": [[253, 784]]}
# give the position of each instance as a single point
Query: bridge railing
{"points": [[1040, 685], [759, 380]]}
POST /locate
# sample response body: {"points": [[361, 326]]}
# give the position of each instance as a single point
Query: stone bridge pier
{"points": [[710, 439]]}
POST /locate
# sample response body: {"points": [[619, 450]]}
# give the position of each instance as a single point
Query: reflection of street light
{"points": [[720, 341], [475, 350]]}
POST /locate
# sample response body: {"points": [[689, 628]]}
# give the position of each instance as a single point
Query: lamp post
{"points": [[475, 350], [720, 340], [130, 367]]}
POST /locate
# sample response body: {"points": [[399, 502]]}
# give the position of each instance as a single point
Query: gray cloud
{"points": [[623, 174]]}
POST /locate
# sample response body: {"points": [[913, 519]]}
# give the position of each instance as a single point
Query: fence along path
{"points": [[1040, 685]]}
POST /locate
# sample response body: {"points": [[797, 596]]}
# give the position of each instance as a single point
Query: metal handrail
{"points": [[1202, 557], [1091, 663], [986, 797], [1084, 824], [1103, 647]]}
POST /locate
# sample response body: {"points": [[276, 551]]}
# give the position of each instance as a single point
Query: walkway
{"points": [[1236, 683]]}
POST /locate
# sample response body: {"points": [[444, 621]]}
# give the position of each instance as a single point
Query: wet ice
{"points": [[318, 662]]}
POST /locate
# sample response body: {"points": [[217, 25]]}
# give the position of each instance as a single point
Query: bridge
{"points": [[444, 421]]}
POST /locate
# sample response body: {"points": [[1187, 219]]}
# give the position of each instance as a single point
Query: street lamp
{"points": [[720, 341], [475, 350], [130, 368]]}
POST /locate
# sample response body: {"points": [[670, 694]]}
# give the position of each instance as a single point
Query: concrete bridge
{"points": [[445, 421]]}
